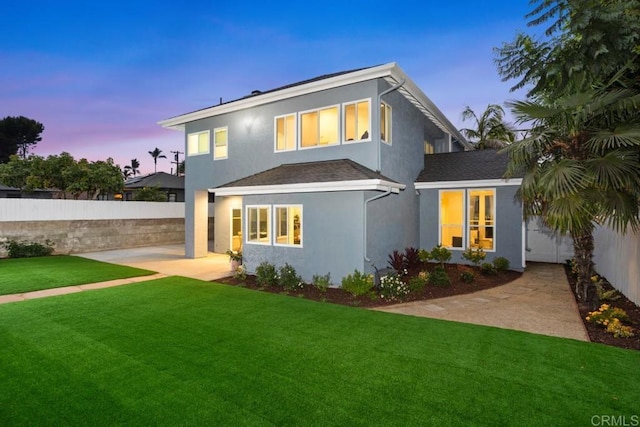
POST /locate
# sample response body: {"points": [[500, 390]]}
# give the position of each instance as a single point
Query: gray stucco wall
{"points": [[508, 234], [332, 235]]}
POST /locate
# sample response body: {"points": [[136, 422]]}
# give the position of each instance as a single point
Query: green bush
{"points": [[266, 274], [357, 283], [467, 277], [440, 254], [488, 269], [417, 283], [25, 249], [501, 263], [439, 277], [240, 273], [322, 282], [424, 255], [289, 279], [150, 194], [476, 256]]}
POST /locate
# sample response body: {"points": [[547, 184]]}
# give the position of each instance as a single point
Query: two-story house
{"points": [[333, 173]]}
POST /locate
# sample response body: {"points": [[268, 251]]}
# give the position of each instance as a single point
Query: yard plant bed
{"points": [[596, 332], [340, 296]]}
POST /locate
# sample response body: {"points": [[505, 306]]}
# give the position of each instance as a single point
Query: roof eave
{"points": [[311, 187], [475, 183]]}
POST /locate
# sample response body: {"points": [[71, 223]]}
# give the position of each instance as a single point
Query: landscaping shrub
{"points": [[412, 257], [424, 255], [392, 287], [288, 278], [25, 249], [611, 318], [397, 261], [240, 273], [358, 283], [501, 263], [476, 256], [439, 277], [440, 254], [417, 283], [266, 274], [488, 269], [467, 277], [322, 282]]}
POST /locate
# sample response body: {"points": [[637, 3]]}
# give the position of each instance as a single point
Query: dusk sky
{"points": [[100, 75]]}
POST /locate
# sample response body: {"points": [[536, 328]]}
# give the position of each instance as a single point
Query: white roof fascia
{"points": [[468, 184], [311, 187], [178, 122]]}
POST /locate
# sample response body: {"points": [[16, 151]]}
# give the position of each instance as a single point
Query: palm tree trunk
{"points": [[583, 254]]}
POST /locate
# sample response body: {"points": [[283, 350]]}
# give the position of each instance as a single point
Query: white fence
{"points": [[72, 210], [617, 257]]}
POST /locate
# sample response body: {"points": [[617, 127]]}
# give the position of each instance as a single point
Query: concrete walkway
{"points": [[73, 289], [169, 260], [540, 302]]}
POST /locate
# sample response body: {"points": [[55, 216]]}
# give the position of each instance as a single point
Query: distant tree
{"points": [[490, 130], [17, 172], [17, 134], [150, 194], [133, 168], [156, 154], [105, 178]]}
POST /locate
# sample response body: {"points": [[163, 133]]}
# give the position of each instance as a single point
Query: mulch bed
{"points": [[597, 332], [339, 296]]}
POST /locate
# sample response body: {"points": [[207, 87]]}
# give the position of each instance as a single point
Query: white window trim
{"points": [[274, 227], [495, 214], [275, 132], [389, 123], [248, 220], [226, 129], [465, 217], [208, 132], [231, 225], [317, 110], [344, 121]]}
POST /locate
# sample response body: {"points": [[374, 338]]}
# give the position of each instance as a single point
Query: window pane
{"points": [[329, 126], [291, 132], [451, 218], [350, 122], [220, 144], [253, 224], [309, 129], [280, 134], [383, 123], [296, 214], [363, 120], [481, 218], [192, 144], [263, 226]]}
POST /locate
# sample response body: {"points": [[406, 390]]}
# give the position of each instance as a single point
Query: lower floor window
{"points": [[258, 224], [288, 224], [473, 227]]}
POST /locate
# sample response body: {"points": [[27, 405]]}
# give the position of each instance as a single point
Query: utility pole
{"points": [[177, 161]]}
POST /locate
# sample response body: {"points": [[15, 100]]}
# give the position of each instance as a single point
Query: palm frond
{"points": [[624, 135], [562, 178]]}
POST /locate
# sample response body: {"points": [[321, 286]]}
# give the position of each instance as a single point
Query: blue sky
{"points": [[100, 75]]}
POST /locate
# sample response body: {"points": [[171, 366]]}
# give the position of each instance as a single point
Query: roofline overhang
{"points": [[311, 187], [387, 71], [476, 183]]}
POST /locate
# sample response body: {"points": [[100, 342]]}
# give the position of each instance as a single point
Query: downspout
{"points": [[391, 89], [366, 202]]}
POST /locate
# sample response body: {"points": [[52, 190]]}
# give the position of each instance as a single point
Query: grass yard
{"points": [[181, 351], [19, 275]]}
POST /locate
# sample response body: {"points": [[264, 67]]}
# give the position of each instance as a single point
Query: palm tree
{"points": [[580, 165], [156, 154], [490, 129], [133, 168]]}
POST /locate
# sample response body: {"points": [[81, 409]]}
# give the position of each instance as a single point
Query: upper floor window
{"points": [[220, 149], [198, 143], [319, 127], [288, 225], [357, 121], [385, 122], [286, 133], [428, 148]]}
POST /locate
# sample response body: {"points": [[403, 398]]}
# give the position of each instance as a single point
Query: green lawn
{"points": [[178, 351], [18, 275]]}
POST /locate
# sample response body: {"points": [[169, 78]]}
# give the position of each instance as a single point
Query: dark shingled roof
{"points": [[303, 173], [158, 179], [463, 166]]}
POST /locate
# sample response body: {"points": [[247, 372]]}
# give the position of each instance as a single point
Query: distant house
{"points": [[171, 184], [334, 173], [16, 193]]}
